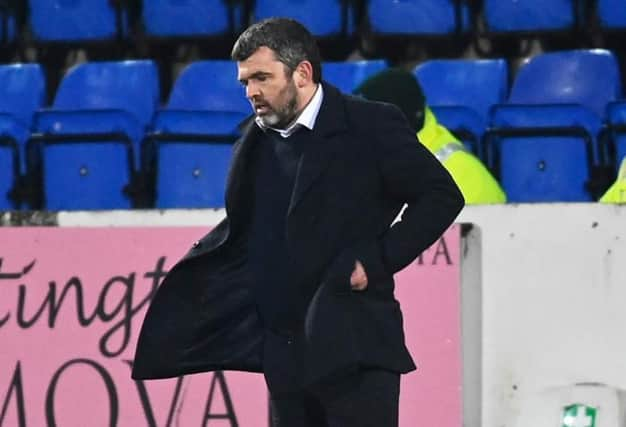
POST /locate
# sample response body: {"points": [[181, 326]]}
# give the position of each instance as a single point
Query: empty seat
{"points": [[193, 154], [323, 18], [77, 20], [418, 17], [533, 171], [91, 137], [461, 93], [209, 85], [22, 93], [556, 105], [191, 18], [611, 14], [194, 135], [86, 176], [544, 152], [348, 75], [589, 78], [510, 16], [106, 96]]}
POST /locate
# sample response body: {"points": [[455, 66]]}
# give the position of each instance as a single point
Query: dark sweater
{"points": [[276, 163]]}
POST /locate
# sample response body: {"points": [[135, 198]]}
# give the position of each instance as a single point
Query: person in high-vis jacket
{"points": [[399, 87], [617, 192]]}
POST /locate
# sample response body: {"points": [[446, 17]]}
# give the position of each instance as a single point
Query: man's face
{"points": [[269, 87]]}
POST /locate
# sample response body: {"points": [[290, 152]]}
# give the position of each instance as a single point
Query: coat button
{"points": [[196, 244]]}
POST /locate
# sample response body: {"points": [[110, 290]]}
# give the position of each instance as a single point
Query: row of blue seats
{"points": [[81, 20], [547, 137], [104, 127], [105, 130]]}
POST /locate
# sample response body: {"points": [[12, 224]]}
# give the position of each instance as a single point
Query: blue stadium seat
{"points": [[323, 18], [510, 16], [457, 92], [92, 135], [209, 85], [22, 93], [544, 151], [348, 75], [76, 20], [417, 17], [556, 105], [86, 176], [190, 18], [611, 14], [569, 77], [193, 155], [194, 134]]}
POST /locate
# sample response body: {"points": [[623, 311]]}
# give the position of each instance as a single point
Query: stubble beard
{"points": [[281, 116]]}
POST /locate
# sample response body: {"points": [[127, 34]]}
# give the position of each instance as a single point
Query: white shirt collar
{"points": [[307, 117]]}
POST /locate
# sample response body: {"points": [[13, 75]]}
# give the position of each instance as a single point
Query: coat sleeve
{"points": [[412, 175]]}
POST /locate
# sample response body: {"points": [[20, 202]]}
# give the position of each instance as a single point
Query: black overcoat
{"points": [[364, 165]]}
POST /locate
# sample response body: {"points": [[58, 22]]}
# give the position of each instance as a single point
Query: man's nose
{"points": [[252, 90]]}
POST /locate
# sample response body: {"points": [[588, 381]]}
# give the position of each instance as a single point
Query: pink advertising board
{"points": [[72, 301]]}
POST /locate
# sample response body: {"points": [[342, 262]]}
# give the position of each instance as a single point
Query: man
{"points": [[401, 88], [297, 280]]}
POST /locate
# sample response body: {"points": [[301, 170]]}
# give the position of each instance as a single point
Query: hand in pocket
{"points": [[358, 279]]}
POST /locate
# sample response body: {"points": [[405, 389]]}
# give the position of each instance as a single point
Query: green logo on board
{"points": [[579, 415]]}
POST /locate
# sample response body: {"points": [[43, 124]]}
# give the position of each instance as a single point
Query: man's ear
{"points": [[303, 74]]}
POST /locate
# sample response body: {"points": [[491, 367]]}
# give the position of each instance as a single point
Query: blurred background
{"points": [[131, 94]]}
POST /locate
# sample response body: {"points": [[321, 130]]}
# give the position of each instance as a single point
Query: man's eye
{"points": [[262, 78]]}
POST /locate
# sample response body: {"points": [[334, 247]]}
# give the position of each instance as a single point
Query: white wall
{"points": [[553, 297], [553, 300]]}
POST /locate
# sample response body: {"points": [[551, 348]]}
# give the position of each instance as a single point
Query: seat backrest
{"points": [[476, 84], [186, 18], [73, 20], [529, 15], [131, 86], [417, 16], [192, 175], [209, 85], [321, 17], [22, 91], [611, 13], [544, 170], [586, 77], [348, 75], [85, 176]]}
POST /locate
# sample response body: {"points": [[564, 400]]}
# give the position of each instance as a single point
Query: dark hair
{"points": [[291, 42]]}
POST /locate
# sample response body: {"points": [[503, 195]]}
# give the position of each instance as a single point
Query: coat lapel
{"points": [[240, 164], [331, 121]]}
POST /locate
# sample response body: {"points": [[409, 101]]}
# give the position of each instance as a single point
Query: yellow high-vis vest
{"points": [[617, 192], [472, 177]]}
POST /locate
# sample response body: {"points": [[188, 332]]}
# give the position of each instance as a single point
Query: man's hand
{"points": [[358, 279]]}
